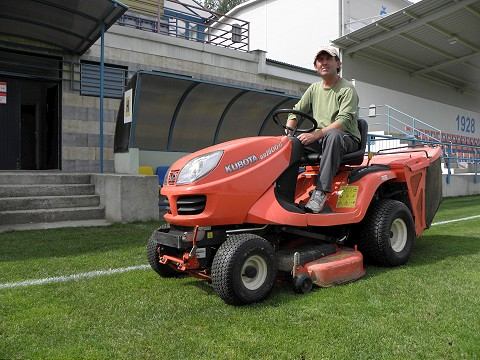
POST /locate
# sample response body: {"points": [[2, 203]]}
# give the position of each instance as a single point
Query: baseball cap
{"points": [[329, 50]]}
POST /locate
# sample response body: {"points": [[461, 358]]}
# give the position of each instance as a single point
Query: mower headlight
{"points": [[199, 167]]}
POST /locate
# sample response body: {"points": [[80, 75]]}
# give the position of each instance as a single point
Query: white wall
{"points": [[433, 103], [384, 76], [291, 31], [460, 185], [437, 114], [358, 13]]}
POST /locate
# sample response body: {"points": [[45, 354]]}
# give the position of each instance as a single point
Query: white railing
{"points": [[398, 123]]}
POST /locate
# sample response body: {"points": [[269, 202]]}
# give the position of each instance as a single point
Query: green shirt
{"points": [[340, 103]]}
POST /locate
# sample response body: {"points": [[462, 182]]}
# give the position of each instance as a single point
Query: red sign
{"points": [[3, 92]]}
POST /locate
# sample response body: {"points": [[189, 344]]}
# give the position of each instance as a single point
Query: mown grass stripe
{"points": [[456, 220], [74, 277], [92, 274]]}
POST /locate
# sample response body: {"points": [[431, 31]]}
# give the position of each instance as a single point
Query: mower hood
{"points": [[228, 179], [235, 158]]}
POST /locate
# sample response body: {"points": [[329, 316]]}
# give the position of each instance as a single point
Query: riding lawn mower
{"points": [[236, 218]]}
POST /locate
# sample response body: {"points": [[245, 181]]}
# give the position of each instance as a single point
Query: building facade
{"points": [[291, 31], [50, 95], [403, 72]]}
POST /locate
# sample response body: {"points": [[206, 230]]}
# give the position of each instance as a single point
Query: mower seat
{"points": [[312, 157]]}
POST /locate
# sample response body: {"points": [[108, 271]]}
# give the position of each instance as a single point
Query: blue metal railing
{"points": [[403, 129], [452, 153]]}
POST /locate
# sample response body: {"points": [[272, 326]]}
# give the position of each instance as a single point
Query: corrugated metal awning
{"points": [[70, 25], [179, 113], [434, 39]]}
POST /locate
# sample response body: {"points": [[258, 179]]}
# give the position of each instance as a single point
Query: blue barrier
{"points": [[161, 171]]}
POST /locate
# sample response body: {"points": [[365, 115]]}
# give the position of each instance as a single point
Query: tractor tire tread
{"points": [[224, 263], [372, 244], [152, 257]]}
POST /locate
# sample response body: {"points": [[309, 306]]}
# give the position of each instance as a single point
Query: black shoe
{"points": [[317, 202]]}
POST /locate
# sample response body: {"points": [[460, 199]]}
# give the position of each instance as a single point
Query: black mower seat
{"points": [[354, 158]]}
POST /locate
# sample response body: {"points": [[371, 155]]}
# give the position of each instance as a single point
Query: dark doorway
{"points": [[28, 141], [9, 127], [52, 159], [29, 123]]}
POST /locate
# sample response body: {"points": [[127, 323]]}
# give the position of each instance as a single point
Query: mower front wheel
{"points": [[153, 257], [244, 269]]}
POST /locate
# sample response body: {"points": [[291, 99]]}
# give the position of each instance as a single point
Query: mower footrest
{"points": [[344, 266]]}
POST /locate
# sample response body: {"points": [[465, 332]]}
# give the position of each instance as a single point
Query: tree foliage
{"points": [[221, 6]]}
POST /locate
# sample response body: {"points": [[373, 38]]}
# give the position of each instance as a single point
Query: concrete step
{"points": [[53, 225], [51, 215], [48, 202], [46, 190], [30, 178]]}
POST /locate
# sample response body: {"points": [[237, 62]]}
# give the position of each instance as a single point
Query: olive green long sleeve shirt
{"points": [[340, 103]]}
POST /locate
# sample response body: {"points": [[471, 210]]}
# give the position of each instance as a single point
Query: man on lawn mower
{"points": [[333, 102]]}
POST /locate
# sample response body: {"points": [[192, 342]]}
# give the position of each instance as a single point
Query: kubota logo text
{"points": [[240, 164]]}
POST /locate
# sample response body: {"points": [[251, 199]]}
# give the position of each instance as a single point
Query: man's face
{"points": [[326, 65]]}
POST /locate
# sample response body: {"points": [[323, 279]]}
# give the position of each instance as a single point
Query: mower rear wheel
{"points": [[244, 269], [153, 259], [387, 233]]}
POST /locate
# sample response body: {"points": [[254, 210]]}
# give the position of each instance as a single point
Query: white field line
{"points": [[92, 274], [456, 220], [74, 277]]}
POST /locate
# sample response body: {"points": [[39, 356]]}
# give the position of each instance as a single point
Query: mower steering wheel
{"points": [[299, 121]]}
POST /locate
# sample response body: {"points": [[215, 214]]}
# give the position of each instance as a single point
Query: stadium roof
{"points": [[433, 39], [70, 25]]}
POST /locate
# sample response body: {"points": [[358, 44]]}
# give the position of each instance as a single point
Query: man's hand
{"points": [[289, 131], [290, 126], [309, 138]]}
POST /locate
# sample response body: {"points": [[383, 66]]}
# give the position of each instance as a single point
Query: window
{"points": [[236, 33], [114, 80]]}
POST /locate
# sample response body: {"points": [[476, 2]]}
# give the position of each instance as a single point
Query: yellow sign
{"points": [[347, 196]]}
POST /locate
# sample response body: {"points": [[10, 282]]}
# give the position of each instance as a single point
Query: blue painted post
{"points": [[102, 80], [449, 154], [388, 119], [476, 160], [187, 30]]}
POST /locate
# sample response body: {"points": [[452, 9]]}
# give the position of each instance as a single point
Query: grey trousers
{"points": [[332, 146]]}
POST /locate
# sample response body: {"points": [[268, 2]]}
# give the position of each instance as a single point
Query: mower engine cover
{"points": [[240, 170]]}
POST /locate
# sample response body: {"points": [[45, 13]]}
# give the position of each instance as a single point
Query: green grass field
{"points": [[428, 309]]}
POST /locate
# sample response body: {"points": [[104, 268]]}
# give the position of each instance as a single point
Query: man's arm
{"points": [[308, 138], [348, 105], [303, 105]]}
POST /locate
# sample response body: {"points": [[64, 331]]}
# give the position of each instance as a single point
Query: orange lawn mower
{"points": [[236, 217]]}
